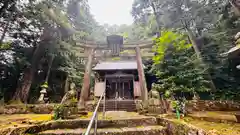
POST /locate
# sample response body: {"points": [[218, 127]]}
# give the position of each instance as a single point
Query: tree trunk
{"points": [[21, 93], [5, 6], [66, 87], [49, 67], [24, 87], [197, 51], [235, 7], [23, 90], [156, 16], [4, 31]]}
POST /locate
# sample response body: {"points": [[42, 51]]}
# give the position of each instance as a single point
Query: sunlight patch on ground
{"points": [[21, 119]]}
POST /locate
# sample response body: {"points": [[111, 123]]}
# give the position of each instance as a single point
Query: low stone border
{"points": [[221, 119], [212, 105]]}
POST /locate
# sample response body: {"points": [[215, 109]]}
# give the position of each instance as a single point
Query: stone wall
{"points": [[154, 106], [197, 105], [24, 109], [211, 105]]}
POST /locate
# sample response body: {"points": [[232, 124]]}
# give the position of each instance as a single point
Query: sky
{"points": [[112, 11]]}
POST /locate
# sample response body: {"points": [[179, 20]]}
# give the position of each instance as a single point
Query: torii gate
{"points": [[94, 51]]}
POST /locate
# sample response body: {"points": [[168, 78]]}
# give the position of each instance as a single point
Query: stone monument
{"points": [[70, 95]]}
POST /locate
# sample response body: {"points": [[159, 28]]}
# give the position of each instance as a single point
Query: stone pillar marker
{"points": [[86, 79], [141, 75]]}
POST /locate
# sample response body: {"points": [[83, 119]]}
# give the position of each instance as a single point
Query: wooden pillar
{"points": [[86, 79], [141, 75]]}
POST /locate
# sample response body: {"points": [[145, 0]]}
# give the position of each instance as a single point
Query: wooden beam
{"points": [[125, 46], [81, 55]]}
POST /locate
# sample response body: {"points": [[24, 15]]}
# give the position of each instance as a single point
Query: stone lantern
{"points": [[43, 93]]}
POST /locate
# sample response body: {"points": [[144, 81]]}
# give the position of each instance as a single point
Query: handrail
{"points": [[95, 115]]}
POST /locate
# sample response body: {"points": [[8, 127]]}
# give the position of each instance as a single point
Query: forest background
{"points": [[38, 45]]}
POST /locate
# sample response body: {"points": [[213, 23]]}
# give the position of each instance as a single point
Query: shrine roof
{"points": [[117, 65]]}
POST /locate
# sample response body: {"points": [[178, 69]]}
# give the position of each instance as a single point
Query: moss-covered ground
{"points": [[17, 120], [22, 119], [221, 128], [223, 123]]}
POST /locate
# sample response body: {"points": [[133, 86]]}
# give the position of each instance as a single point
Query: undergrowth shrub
{"points": [[58, 112]]}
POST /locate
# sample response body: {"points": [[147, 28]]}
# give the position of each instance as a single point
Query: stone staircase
{"points": [[116, 123], [119, 105]]}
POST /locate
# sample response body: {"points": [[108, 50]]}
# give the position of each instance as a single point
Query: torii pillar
{"points": [[86, 79], [141, 75]]}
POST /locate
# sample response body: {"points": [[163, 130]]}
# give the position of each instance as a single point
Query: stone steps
{"points": [[140, 130], [83, 123], [116, 123], [116, 105]]}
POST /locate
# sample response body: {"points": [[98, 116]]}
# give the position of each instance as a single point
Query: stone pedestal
{"points": [[154, 106]]}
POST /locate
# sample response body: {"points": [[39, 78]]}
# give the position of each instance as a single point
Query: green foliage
{"points": [[177, 73], [44, 85], [175, 105], [63, 111], [213, 34], [58, 112], [5, 46], [176, 66], [169, 39], [62, 22], [167, 94]]}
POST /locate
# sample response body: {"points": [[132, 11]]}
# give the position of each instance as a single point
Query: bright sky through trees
{"points": [[112, 11]]}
